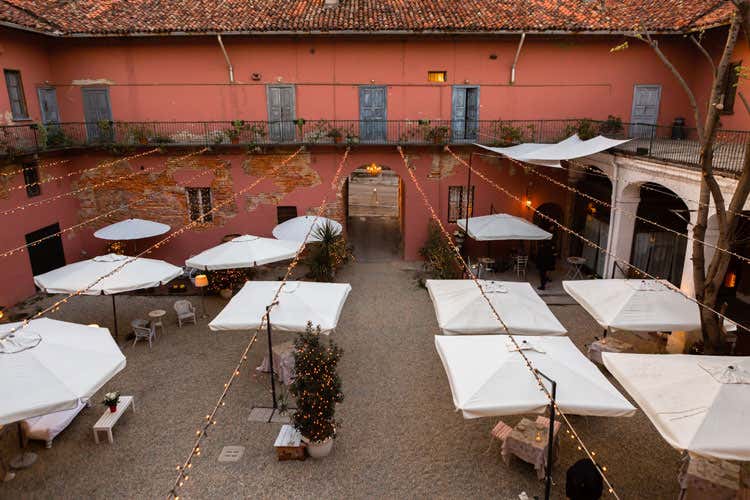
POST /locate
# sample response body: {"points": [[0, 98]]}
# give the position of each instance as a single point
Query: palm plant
{"points": [[327, 254]]}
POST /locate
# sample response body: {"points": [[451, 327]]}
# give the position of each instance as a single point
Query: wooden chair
{"points": [[143, 330], [521, 262], [501, 431], [185, 312]]}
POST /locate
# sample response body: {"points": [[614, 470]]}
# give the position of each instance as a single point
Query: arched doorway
{"points": [[374, 213], [656, 250], [592, 219]]}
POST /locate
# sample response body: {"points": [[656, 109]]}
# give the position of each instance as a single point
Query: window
{"points": [[199, 204], [15, 94], [31, 179], [437, 76], [457, 202], [284, 213], [730, 88]]}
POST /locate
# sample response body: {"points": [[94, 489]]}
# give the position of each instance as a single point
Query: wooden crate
{"points": [[289, 444]]}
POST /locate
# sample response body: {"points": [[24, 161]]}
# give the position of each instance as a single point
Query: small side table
{"points": [[156, 315]]}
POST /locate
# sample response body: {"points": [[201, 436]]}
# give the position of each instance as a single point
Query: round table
{"points": [[156, 315], [575, 271]]}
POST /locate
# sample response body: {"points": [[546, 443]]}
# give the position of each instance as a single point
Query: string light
{"points": [[590, 243], [81, 189], [464, 264], [34, 243], [40, 166]]}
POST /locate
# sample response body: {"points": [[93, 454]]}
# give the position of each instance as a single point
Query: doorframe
{"points": [[360, 88], [294, 108], [92, 135], [39, 90], [453, 95], [636, 86]]}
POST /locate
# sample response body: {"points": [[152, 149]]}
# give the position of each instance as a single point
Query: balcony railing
{"points": [[677, 145]]}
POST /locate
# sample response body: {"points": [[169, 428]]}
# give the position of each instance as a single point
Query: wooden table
{"points": [[283, 362], [156, 315], [528, 441], [109, 418]]}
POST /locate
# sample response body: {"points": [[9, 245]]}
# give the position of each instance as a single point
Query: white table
{"points": [[109, 418], [156, 315]]}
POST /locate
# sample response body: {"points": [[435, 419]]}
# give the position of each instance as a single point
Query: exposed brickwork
{"points": [[443, 165], [297, 174], [169, 203]]}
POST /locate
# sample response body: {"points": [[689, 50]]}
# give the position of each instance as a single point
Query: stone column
{"points": [[624, 199]]}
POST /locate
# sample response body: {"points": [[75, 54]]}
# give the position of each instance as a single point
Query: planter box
{"points": [[289, 444]]}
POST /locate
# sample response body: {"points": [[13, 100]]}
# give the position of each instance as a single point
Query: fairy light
{"points": [[628, 213], [81, 189], [210, 420], [590, 243], [464, 264], [40, 166], [103, 215]]}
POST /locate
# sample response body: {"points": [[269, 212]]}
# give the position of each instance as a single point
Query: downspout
{"points": [[226, 57], [515, 59]]}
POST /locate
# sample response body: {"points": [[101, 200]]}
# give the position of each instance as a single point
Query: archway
{"points": [[374, 200], [656, 250], [592, 219]]}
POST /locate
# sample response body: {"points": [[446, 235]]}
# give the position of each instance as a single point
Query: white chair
{"points": [[142, 329], [521, 262], [185, 312]]}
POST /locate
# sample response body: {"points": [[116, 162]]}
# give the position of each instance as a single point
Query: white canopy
{"points": [[635, 305], [299, 302], [697, 403], [461, 309], [140, 273], [244, 251], [131, 229], [488, 377], [550, 155], [49, 365], [296, 229], [502, 227]]}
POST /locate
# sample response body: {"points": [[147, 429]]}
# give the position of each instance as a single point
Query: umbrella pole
{"points": [[270, 357], [550, 438], [27, 458], [114, 315]]}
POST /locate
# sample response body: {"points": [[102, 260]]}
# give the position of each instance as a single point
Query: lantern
{"points": [[201, 281], [374, 169]]}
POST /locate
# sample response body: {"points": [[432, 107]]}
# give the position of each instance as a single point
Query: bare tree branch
{"points": [[704, 52]]}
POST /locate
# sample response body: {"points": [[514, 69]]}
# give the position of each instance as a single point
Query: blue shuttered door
{"points": [[465, 113], [97, 112], [281, 113], [48, 105], [372, 114]]}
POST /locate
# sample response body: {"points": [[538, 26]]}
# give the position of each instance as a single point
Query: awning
{"points": [[550, 155], [497, 227], [461, 309], [697, 403], [131, 229], [488, 377]]}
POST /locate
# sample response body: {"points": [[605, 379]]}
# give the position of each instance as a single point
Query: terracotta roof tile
{"points": [[196, 16]]}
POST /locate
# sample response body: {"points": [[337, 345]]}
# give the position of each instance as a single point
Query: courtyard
{"points": [[400, 435]]}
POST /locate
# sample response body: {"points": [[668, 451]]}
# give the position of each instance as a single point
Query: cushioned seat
{"points": [[47, 427]]}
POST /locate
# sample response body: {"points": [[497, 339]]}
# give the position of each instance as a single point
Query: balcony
{"points": [[677, 145]]}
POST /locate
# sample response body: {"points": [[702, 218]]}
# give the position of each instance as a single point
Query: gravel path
{"points": [[400, 436]]}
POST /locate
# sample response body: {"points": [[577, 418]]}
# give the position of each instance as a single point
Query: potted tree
{"points": [[110, 400], [235, 130], [326, 255], [336, 135], [317, 389]]}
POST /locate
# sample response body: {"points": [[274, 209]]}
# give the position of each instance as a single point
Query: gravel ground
{"points": [[400, 435]]}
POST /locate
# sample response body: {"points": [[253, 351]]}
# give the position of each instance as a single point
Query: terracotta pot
{"points": [[143, 141], [235, 140], [319, 450], [337, 139], [113, 408]]}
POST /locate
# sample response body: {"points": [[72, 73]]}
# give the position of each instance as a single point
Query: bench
{"points": [[109, 419]]}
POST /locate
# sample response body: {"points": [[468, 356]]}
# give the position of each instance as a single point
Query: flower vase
{"points": [[113, 408]]}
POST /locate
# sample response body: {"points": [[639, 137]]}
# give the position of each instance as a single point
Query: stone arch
{"points": [[591, 219]]}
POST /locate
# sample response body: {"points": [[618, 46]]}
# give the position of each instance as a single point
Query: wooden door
{"points": [[98, 114], [465, 113], [281, 113], [645, 113], [48, 105], [47, 254], [372, 114]]}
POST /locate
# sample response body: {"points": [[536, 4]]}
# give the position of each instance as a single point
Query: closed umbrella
{"points": [[134, 273], [461, 309], [497, 227], [297, 228], [131, 229], [244, 251], [697, 403]]}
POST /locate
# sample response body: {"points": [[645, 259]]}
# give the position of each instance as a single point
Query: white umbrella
{"points": [[131, 229], [299, 302], [50, 365], [488, 377], [244, 251], [297, 228], [502, 227], [461, 309], [697, 403], [135, 273], [635, 305]]}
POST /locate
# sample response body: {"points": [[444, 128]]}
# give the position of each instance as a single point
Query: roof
{"points": [[143, 17]]}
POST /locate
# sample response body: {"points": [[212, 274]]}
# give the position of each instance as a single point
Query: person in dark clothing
{"points": [[583, 481], [545, 261]]}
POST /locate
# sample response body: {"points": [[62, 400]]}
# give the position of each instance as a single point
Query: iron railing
{"points": [[675, 144]]}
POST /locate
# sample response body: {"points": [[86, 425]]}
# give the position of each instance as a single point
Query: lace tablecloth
{"points": [[528, 442], [283, 362]]}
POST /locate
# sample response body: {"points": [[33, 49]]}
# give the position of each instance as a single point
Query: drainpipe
{"points": [[515, 59], [226, 57]]}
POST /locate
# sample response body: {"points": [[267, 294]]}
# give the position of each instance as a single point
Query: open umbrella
{"points": [[697, 403], [461, 309], [297, 228], [244, 251], [137, 273], [502, 227], [131, 229]]}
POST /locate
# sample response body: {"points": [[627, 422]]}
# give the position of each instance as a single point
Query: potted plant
{"points": [[140, 134], [438, 135], [327, 254], [317, 389], [110, 400], [336, 135], [235, 130]]}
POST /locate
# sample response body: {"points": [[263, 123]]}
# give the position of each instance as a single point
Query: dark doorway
{"points": [[591, 219], [374, 214], [47, 254]]}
